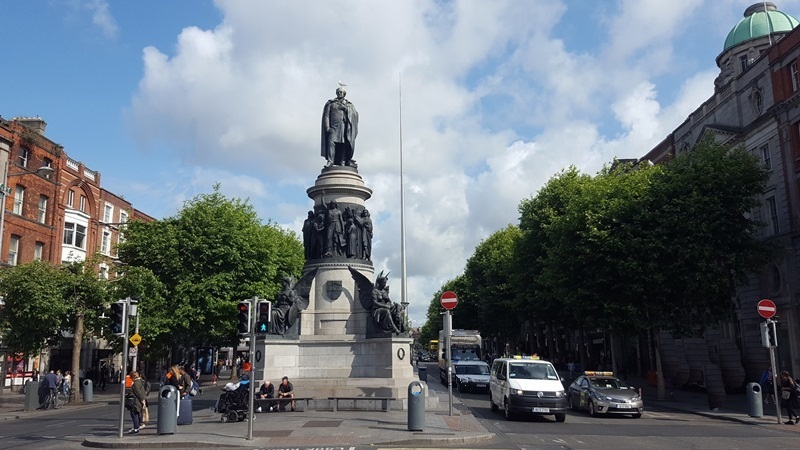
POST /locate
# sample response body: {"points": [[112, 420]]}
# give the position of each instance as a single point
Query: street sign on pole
{"points": [[136, 339], [766, 308], [449, 300]]}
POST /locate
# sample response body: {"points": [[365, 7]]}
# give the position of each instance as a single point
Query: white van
{"points": [[526, 386]]}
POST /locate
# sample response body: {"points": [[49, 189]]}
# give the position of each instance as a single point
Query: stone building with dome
{"points": [[756, 104]]}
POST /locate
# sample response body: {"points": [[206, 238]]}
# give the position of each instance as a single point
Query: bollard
{"points": [[423, 373], [31, 395], [88, 392], [754, 406], [416, 406], [167, 410]]}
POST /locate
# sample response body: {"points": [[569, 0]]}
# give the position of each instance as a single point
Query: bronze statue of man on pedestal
{"points": [[339, 130]]}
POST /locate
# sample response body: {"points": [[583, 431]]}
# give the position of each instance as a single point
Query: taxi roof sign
{"points": [[534, 357], [593, 373]]}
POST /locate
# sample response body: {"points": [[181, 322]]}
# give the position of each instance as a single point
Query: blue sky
{"points": [[165, 99]]}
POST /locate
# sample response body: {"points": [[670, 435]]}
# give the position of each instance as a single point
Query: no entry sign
{"points": [[766, 308], [449, 300]]}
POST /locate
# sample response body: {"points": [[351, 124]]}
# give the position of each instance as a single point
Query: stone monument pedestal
{"points": [[331, 352]]}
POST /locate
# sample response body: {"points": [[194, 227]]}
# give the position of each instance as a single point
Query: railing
{"points": [[72, 164]]}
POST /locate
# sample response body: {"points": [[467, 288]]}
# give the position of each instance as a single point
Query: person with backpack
{"points": [[789, 395]]}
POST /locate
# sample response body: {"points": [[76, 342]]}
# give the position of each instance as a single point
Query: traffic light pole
{"points": [[771, 324], [250, 411], [448, 331], [125, 323]]}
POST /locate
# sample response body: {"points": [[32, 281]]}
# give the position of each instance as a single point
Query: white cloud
{"points": [[494, 104], [102, 17]]}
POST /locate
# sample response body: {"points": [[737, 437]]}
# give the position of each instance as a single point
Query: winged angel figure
{"points": [[387, 316], [292, 299]]}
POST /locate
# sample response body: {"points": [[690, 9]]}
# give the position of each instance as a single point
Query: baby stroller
{"points": [[233, 403]]}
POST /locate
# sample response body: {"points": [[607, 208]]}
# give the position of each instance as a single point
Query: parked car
{"points": [[603, 393], [471, 376]]}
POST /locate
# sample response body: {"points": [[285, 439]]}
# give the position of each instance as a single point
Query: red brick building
{"points": [[55, 208]]}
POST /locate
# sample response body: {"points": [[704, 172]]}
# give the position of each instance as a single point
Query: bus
{"points": [[433, 347]]}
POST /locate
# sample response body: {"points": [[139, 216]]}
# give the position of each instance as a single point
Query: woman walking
{"points": [[139, 399], [789, 396]]}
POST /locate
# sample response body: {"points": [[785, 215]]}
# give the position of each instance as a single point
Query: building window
{"points": [[108, 212], [83, 203], [48, 163], [19, 199], [70, 198], [758, 101], [42, 209], [773, 215], [103, 272], [38, 251], [123, 217], [13, 250], [74, 234], [743, 62], [24, 155], [766, 157], [105, 244]]}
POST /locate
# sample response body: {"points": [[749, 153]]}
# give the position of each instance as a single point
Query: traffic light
{"points": [[119, 313], [769, 334], [264, 316], [243, 318]]}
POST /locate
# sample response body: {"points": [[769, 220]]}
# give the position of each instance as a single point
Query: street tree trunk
{"points": [[77, 342]]}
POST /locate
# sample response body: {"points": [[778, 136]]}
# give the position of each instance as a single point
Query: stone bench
{"points": [[385, 401], [265, 403]]}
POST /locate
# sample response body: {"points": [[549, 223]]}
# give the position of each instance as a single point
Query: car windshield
{"points": [[472, 370], [608, 383], [465, 354], [532, 371]]}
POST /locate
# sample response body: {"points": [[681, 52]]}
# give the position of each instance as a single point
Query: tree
{"points": [[489, 273], [213, 254], [42, 302]]}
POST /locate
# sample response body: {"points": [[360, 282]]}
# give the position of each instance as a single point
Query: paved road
{"points": [[658, 428]]}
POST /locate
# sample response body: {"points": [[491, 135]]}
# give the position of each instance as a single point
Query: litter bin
{"points": [[755, 408], [167, 410], [416, 406], [423, 373], [31, 395], [88, 391]]}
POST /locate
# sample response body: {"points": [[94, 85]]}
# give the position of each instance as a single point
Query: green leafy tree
{"points": [[42, 302], [213, 254]]}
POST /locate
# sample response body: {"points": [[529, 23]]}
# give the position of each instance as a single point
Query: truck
{"points": [[465, 345]]}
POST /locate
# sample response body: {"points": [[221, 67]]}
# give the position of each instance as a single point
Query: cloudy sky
{"points": [[165, 99]]}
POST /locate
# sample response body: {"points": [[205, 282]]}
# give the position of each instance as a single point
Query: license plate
{"points": [[541, 410], [480, 385], [623, 406]]}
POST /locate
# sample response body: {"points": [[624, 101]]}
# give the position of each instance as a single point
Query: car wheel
{"points": [[492, 403], [637, 415], [592, 410], [507, 410], [561, 417]]}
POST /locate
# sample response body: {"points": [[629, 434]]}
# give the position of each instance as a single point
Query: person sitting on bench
{"points": [[285, 390]]}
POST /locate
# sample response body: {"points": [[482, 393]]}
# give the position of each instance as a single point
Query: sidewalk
{"points": [[301, 428], [735, 407], [353, 428]]}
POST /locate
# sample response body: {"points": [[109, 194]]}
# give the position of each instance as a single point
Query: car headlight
{"points": [[559, 393], [518, 392], [602, 397]]}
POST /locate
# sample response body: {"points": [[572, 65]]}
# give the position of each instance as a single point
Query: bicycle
{"points": [[55, 399]]}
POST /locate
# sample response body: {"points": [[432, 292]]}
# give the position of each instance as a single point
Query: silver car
{"points": [[602, 393], [471, 376]]}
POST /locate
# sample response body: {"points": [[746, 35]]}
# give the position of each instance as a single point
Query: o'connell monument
{"points": [[335, 331]]}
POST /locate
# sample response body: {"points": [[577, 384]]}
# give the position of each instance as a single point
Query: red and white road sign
{"points": [[449, 300], [766, 308]]}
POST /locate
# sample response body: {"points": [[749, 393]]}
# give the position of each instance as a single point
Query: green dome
{"points": [[760, 20]]}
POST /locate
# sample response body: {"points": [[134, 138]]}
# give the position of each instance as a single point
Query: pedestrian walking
{"points": [[138, 402], [789, 397], [767, 383]]}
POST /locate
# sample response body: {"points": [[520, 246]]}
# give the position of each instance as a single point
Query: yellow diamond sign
{"points": [[135, 339]]}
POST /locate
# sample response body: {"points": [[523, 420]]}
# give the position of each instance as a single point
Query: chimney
{"points": [[36, 124]]}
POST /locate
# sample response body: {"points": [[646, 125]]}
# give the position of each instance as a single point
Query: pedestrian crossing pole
{"points": [[250, 411], [125, 322]]}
